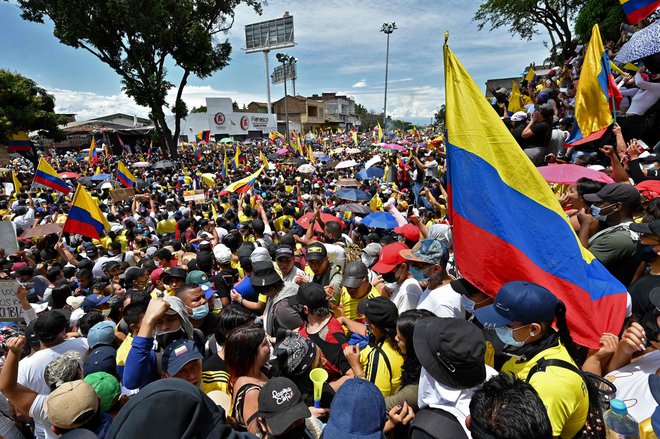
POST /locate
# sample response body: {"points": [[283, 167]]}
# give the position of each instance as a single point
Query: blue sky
{"points": [[339, 46]]}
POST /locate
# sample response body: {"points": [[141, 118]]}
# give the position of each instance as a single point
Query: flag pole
{"points": [[613, 108]]}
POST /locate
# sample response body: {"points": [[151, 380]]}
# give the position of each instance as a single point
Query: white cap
{"points": [[222, 253], [260, 254]]}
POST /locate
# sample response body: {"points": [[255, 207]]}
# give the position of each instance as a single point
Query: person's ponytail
{"points": [[564, 333]]}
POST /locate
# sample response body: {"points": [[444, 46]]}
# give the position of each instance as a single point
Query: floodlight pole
{"points": [[285, 59], [387, 28], [270, 110]]}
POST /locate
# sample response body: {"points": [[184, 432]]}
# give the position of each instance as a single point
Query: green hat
{"points": [[106, 387], [197, 277]]}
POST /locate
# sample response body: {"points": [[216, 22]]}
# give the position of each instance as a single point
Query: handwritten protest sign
{"points": [[122, 194], [196, 196], [10, 307]]}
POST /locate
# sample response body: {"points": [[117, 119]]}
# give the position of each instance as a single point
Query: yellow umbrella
{"points": [[209, 179]]}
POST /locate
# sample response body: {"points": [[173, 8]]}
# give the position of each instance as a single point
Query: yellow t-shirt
{"points": [[280, 221], [562, 391], [215, 380], [165, 227], [350, 305], [124, 348], [376, 370]]}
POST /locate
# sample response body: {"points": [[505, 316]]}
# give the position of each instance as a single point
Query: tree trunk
{"points": [[177, 114], [165, 132]]}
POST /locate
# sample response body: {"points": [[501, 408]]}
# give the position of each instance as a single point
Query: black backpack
{"points": [[599, 396], [434, 423]]}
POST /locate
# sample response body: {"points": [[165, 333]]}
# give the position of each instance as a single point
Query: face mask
{"points": [[467, 304], [506, 335], [294, 433], [645, 252], [595, 212], [200, 312], [164, 339], [389, 277], [418, 274]]}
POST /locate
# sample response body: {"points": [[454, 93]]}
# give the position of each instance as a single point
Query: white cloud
{"points": [[360, 84]]}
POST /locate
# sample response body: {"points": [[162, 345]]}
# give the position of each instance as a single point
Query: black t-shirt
{"points": [[539, 129], [214, 363], [639, 294], [224, 281]]}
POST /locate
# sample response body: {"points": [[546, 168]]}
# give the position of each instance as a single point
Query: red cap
{"points": [[408, 231], [390, 258], [155, 275]]}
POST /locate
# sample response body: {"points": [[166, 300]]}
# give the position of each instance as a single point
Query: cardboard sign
{"points": [[8, 240], [197, 196], [122, 194], [43, 230], [10, 307]]}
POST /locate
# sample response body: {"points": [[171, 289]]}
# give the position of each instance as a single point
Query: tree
{"points": [[368, 118], [24, 106], [524, 17], [439, 116], [138, 38], [398, 124], [607, 13], [200, 109]]}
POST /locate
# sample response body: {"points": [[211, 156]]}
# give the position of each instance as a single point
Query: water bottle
{"points": [[618, 423]]}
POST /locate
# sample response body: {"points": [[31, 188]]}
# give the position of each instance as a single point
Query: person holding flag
{"points": [[225, 168], [93, 156], [125, 176], [46, 176]]}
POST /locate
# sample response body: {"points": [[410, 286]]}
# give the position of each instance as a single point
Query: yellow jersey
{"points": [[385, 373], [350, 305]]}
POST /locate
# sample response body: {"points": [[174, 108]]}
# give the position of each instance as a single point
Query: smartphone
{"points": [[410, 210]]}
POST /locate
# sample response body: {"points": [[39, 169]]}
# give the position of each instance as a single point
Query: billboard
{"points": [[271, 34], [278, 73]]}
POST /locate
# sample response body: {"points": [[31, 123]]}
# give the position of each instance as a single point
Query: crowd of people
{"points": [[279, 310]]}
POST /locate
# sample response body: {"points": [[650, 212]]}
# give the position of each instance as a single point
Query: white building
{"points": [[223, 121]]}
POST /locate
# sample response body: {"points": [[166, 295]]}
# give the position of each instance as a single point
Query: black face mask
{"points": [[294, 433], [165, 340], [389, 277], [645, 252]]}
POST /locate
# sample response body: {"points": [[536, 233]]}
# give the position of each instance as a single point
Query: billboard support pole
{"points": [[270, 108]]}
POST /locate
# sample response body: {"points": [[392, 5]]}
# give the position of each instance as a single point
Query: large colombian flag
{"points": [[19, 142], [124, 175], [595, 90], [637, 10], [507, 223], [241, 186], [47, 176], [85, 218]]}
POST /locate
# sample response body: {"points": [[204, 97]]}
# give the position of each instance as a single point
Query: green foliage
{"points": [[200, 109], [137, 38], [607, 13], [399, 124], [439, 116], [368, 118], [24, 106], [525, 17]]}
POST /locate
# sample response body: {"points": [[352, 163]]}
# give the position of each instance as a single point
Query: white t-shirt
{"points": [[407, 295], [38, 413], [336, 254], [431, 168], [31, 369], [443, 302], [296, 272]]}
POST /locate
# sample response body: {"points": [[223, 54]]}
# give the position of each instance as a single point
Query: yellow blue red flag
{"points": [[225, 168], [47, 176], [93, 156], [85, 218], [241, 186], [124, 175], [637, 10], [19, 142], [508, 224]]}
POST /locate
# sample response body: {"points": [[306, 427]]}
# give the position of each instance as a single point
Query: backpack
{"points": [[594, 427], [435, 423]]}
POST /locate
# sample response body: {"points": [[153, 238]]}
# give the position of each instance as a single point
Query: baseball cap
{"points": [[49, 326], [244, 253], [200, 278], [295, 354], [280, 404], [260, 254], [518, 301], [390, 258], [264, 274], [615, 192], [354, 274], [380, 311], [652, 228], [101, 359], [408, 231], [178, 354], [93, 300], [463, 287], [451, 350], [66, 404], [309, 294], [222, 253], [371, 252], [357, 412], [103, 333], [62, 369], [155, 275], [177, 272], [316, 252], [106, 387], [109, 265], [30, 336], [428, 251], [132, 273], [283, 251]]}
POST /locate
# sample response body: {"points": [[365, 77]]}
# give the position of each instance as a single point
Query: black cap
{"points": [[354, 274], [133, 273], [463, 287], [31, 336], [309, 294], [109, 265], [49, 326], [244, 253], [283, 251], [451, 350], [380, 311], [264, 274], [616, 193], [178, 272], [652, 228], [316, 252], [280, 404]]}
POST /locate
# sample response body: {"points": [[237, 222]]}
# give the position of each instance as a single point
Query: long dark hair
{"points": [[565, 334], [406, 326], [241, 350]]}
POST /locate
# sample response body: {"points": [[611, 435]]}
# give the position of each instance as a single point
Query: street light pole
{"points": [[284, 59], [388, 28]]}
